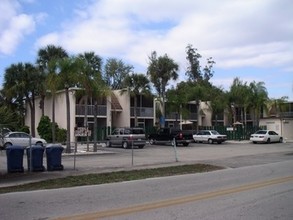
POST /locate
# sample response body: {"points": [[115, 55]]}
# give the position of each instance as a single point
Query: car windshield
{"points": [[261, 132], [214, 132]]}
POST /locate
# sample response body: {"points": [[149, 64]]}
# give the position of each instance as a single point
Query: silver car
{"points": [[209, 136], [127, 137], [20, 139]]}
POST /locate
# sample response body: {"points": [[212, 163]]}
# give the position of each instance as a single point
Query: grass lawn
{"points": [[119, 176]]}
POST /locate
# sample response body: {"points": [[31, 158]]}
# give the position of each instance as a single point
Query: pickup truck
{"points": [[165, 135], [127, 137]]}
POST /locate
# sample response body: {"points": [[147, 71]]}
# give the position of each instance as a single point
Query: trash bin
{"points": [[54, 156], [15, 159], [37, 158]]}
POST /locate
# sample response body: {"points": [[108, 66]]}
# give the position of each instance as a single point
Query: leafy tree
{"points": [[161, 70], [115, 72], [137, 84], [44, 128], [194, 69]]}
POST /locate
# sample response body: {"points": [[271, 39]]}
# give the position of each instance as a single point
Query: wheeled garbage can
{"points": [[15, 159], [54, 157], [37, 158]]}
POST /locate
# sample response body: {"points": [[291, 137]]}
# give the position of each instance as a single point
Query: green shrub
{"points": [[61, 135], [25, 129]]}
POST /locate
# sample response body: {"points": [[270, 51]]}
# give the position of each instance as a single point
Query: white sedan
{"points": [[209, 136], [265, 136], [20, 139]]}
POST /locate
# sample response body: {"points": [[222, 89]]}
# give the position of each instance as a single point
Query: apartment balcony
{"points": [[286, 115], [101, 110], [174, 116], [143, 112]]}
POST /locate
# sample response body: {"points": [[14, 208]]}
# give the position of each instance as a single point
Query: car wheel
{"points": [[210, 141], [152, 141], [141, 146], [254, 142], [185, 144], [125, 144], [268, 141], [219, 142], [281, 140]]}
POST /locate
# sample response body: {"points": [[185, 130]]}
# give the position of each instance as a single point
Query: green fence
{"points": [[238, 132], [233, 133]]}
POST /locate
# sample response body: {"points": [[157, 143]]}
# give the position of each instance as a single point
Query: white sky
{"points": [[250, 39]]}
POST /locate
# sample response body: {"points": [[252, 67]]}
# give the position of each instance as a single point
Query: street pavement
{"points": [[228, 154]]}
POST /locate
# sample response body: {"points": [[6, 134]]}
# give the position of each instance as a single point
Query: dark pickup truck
{"points": [[165, 135]]}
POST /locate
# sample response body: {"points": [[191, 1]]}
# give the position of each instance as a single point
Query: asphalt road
{"points": [[260, 192]]}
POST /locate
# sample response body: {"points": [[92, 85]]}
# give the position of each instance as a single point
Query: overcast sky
{"points": [[249, 39]]}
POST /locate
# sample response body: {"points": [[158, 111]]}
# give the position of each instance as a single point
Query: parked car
{"points": [[166, 135], [209, 136], [20, 139], [265, 136], [126, 137]]}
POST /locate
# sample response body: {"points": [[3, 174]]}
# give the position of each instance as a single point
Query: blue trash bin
{"points": [[15, 159], [54, 157], [37, 158]]}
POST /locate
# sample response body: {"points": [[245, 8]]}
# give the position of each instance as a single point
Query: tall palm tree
{"points": [[48, 54], [20, 83], [161, 70], [90, 80], [69, 70], [259, 97], [53, 84], [136, 84]]}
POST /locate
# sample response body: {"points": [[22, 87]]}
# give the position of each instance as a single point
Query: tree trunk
{"points": [[68, 148], [53, 120], [32, 107], [95, 127], [85, 124], [135, 107]]}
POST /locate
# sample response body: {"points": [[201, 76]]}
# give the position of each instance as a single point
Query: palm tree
{"points": [[137, 84], [48, 54], [90, 80], [69, 70], [259, 99], [161, 70], [21, 83], [53, 84]]}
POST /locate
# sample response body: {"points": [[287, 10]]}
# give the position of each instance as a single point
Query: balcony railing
{"points": [[286, 114], [142, 112], [101, 110], [174, 115]]}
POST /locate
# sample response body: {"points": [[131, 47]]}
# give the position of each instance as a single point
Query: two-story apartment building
{"points": [[116, 110]]}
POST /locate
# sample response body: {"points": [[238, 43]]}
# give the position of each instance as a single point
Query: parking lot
{"points": [[228, 154]]}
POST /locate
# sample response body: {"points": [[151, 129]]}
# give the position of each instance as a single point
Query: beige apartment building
{"points": [[117, 110]]}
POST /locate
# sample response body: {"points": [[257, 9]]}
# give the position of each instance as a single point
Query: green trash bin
{"points": [[54, 157], [15, 159], [37, 158]]}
